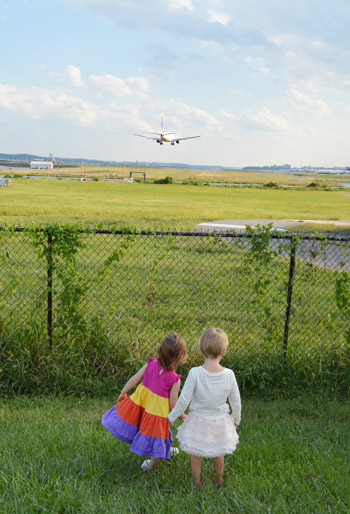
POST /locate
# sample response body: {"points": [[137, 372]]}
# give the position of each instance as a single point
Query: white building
{"points": [[43, 165]]}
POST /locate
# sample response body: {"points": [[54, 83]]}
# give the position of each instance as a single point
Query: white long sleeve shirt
{"points": [[207, 393]]}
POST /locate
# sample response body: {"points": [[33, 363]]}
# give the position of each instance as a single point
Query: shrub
{"points": [[166, 180]]}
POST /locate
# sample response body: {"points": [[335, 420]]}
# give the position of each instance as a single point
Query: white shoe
{"points": [[146, 465], [174, 451]]}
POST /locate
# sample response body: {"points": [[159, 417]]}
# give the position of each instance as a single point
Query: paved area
{"points": [[239, 225]]}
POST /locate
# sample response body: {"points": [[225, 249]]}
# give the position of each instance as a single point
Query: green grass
{"points": [[55, 457], [160, 206]]}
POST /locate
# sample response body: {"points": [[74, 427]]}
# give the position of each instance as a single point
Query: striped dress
{"points": [[141, 419]]}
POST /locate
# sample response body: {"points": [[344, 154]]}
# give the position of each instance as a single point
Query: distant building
{"points": [[43, 165]]}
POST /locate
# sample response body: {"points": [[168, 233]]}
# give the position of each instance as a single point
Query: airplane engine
{"points": [[178, 142]]}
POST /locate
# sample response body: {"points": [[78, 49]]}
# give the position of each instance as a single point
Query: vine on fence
{"points": [[261, 254], [58, 245]]}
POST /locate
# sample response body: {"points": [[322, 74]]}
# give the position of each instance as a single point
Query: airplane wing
{"points": [[147, 137], [177, 139]]}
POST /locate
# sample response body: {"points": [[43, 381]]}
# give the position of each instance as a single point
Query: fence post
{"points": [[289, 299], [49, 288]]}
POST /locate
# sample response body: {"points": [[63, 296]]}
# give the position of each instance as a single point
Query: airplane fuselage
{"points": [[167, 138]]}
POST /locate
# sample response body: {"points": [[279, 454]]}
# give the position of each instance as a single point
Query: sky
{"points": [[263, 83]]}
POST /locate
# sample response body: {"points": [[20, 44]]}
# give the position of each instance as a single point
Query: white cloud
{"points": [[219, 17], [181, 4], [120, 87], [264, 116], [229, 115], [38, 103], [74, 75], [257, 63], [318, 107], [111, 84], [189, 113], [140, 83], [258, 118]]}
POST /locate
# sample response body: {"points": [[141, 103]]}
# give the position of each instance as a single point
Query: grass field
{"points": [[55, 457], [152, 173], [161, 206]]}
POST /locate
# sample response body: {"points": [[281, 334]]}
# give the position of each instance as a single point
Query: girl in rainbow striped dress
{"points": [[141, 419]]}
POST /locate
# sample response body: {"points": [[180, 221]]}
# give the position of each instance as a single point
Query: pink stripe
{"points": [[158, 384]]}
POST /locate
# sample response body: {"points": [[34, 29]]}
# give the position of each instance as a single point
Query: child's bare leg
{"points": [[218, 463], [196, 463], [153, 462]]}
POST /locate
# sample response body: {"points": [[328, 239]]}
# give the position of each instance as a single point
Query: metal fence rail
{"points": [[276, 297]]}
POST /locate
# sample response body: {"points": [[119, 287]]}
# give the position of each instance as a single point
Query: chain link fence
{"points": [[284, 300]]}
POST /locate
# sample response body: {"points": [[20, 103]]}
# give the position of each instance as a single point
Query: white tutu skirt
{"points": [[207, 437]]}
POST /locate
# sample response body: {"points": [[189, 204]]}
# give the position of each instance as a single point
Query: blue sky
{"points": [[263, 82]]}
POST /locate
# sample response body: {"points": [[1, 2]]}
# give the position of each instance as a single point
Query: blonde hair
{"points": [[213, 342], [172, 351]]}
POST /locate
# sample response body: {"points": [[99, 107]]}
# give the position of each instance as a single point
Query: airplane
{"points": [[165, 137]]}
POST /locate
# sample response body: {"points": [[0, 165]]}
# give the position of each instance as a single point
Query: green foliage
{"points": [[166, 180], [271, 185]]}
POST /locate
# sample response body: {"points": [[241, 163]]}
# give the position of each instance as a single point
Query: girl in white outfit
{"points": [[209, 430]]}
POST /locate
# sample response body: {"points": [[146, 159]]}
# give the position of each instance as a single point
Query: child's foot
{"points": [[174, 451], [146, 465], [219, 481]]}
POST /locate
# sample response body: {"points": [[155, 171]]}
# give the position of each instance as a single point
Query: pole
{"points": [[123, 172], [85, 171], [48, 169], [49, 289], [289, 300]]}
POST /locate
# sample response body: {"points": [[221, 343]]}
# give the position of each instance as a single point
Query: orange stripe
{"points": [[129, 411], [155, 426]]}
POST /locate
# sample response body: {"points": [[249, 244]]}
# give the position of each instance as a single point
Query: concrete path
{"points": [[239, 225]]}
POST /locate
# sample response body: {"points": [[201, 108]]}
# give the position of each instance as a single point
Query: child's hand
{"points": [[183, 417], [170, 423], [121, 396]]}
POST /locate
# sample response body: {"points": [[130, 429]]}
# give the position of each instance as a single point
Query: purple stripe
{"points": [[148, 446], [118, 427], [144, 445]]}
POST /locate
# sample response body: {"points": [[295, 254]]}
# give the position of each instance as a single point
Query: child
{"points": [[209, 430], [141, 419]]}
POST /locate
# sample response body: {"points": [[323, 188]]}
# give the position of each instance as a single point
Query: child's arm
{"points": [[235, 401], [184, 400], [135, 379], [174, 393]]}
